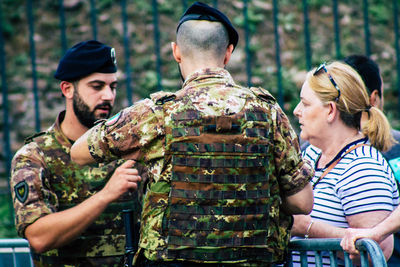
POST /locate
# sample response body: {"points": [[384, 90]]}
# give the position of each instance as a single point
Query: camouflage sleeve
{"points": [[32, 199], [293, 172], [134, 133]]}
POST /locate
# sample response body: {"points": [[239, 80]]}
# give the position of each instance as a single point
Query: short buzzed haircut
{"points": [[202, 38]]}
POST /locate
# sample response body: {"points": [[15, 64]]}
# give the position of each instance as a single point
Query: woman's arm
{"points": [[323, 230], [369, 220], [302, 226]]}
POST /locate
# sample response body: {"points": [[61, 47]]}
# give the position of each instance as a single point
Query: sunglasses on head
{"points": [[323, 67]]}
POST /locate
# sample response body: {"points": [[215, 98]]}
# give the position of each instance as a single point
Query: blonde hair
{"points": [[353, 100]]}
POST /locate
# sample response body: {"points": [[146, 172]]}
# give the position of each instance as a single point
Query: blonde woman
{"points": [[353, 184]]}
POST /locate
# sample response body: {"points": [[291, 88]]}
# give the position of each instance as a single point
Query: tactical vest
{"points": [[223, 205], [72, 184]]}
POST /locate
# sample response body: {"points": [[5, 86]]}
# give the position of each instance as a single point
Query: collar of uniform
{"points": [[207, 73], [58, 133]]}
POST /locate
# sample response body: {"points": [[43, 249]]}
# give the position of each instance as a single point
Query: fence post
{"points": [[6, 123], [337, 28], [93, 12], [396, 45], [247, 43], [215, 4], [366, 28], [184, 4], [157, 44], [307, 35], [33, 62], [277, 54], [62, 27], [127, 54]]}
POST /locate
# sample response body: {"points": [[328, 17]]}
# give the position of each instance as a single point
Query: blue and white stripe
{"points": [[361, 181]]}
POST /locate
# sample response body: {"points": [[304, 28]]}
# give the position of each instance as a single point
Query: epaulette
{"points": [[161, 97], [30, 138], [263, 94]]}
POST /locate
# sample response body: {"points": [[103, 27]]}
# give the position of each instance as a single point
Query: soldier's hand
{"points": [[124, 178]]}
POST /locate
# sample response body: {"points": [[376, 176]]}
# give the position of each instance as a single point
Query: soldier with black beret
{"points": [[71, 214], [225, 167]]}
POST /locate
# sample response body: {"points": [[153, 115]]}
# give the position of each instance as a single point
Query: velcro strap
{"points": [[257, 132], [219, 210], [255, 116], [207, 222], [224, 124], [221, 178], [186, 115], [212, 128], [223, 254], [258, 208], [235, 241], [197, 194], [219, 147], [218, 163], [186, 131], [215, 210]]}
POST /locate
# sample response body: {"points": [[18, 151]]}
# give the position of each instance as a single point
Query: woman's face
{"points": [[311, 114]]}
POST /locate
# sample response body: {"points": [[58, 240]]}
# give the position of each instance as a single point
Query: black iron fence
{"points": [[279, 42]]}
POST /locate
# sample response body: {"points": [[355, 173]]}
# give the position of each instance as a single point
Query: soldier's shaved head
{"points": [[203, 40]]}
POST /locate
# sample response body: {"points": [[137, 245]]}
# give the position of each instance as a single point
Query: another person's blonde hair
{"points": [[353, 100]]}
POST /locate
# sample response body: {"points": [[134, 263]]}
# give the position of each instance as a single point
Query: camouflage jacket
{"points": [[139, 133], [44, 180]]}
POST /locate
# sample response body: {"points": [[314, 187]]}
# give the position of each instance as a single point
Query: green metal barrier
{"points": [[15, 252], [367, 247]]}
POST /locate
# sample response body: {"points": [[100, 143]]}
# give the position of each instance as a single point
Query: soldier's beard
{"points": [[82, 111]]}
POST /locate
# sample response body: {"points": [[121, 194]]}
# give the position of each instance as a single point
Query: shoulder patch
{"points": [[161, 97], [30, 138], [113, 119], [263, 94], [21, 191]]}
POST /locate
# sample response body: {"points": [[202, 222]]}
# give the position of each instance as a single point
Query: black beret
{"points": [[86, 58], [201, 11]]}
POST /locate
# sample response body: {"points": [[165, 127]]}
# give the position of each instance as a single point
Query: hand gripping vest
{"points": [[224, 204]]}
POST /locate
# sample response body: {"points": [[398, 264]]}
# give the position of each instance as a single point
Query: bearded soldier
{"points": [[71, 214]]}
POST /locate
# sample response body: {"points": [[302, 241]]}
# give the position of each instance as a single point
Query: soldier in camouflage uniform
{"points": [[71, 214], [225, 168]]}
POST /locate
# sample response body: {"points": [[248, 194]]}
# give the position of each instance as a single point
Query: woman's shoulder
{"points": [[365, 162], [366, 153]]}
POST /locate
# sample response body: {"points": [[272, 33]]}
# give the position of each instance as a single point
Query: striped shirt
{"points": [[361, 181]]}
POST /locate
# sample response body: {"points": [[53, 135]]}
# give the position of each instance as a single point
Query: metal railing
{"points": [[367, 248], [15, 252]]}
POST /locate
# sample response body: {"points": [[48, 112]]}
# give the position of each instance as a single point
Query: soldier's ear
{"points": [[228, 53], [67, 89], [176, 52]]}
